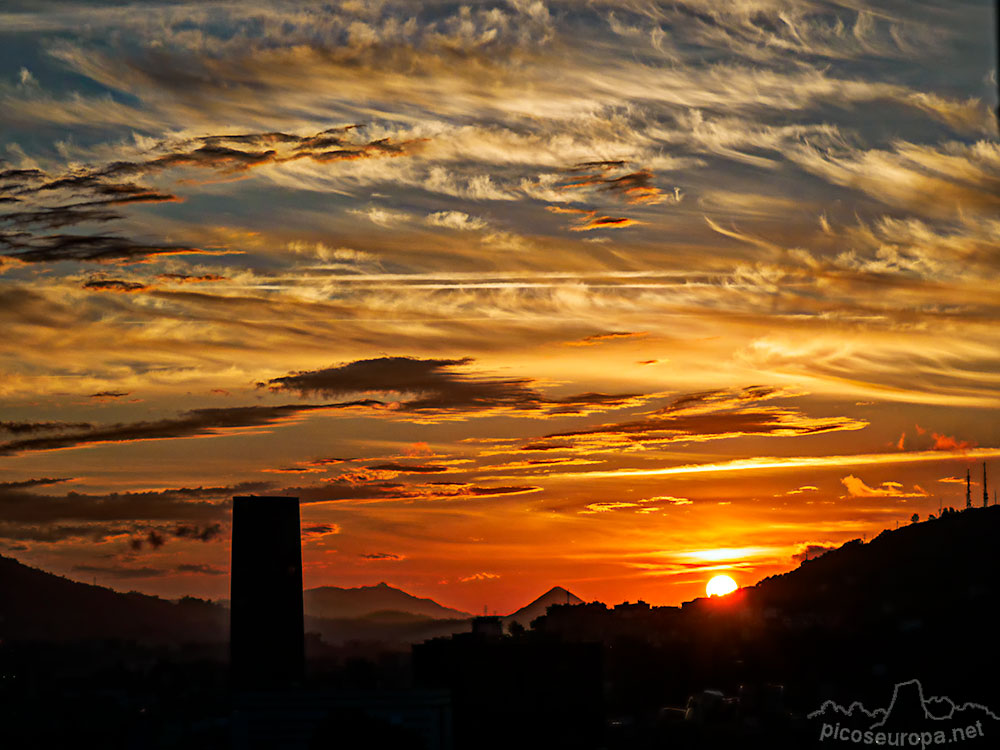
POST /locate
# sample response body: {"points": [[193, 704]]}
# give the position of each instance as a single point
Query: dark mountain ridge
{"points": [[363, 601], [40, 606], [931, 571], [926, 575]]}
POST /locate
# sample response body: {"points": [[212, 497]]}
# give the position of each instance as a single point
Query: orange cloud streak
{"points": [[771, 463]]}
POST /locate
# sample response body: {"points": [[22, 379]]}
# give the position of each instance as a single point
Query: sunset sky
{"points": [[607, 295]]}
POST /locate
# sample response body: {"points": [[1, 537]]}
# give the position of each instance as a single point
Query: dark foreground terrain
{"points": [[904, 626]]}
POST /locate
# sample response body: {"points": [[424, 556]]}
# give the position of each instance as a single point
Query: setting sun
{"points": [[720, 586]]}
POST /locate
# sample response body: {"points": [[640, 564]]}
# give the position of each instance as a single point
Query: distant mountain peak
{"points": [[361, 601], [559, 591], [537, 608]]}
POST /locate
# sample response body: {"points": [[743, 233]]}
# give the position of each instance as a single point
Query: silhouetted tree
{"points": [[915, 518]]}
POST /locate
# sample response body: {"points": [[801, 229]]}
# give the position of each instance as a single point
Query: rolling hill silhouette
{"points": [[937, 573], [43, 607], [40, 606], [934, 579]]}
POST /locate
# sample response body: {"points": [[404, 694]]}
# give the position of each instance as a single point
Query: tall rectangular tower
{"points": [[266, 633]]}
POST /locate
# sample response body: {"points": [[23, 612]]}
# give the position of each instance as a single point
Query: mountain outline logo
{"points": [[910, 719], [884, 713]]}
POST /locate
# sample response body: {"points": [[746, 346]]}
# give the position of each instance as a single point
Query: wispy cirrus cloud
{"points": [[481, 576], [389, 556], [86, 194], [953, 480], [712, 415], [28, 483], [22, 428], [455, 220], [856, 487], [320, 529], [148, 517], [104, 284], [99, 248], [587, 220], [371, 489], [442, 387], [600, 338], [932, 179], [122, 572], [771, 463], [195, 423], [645, 506], [635, 187]]}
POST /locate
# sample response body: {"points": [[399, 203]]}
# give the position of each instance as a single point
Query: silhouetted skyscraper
{"points": [[266, 633]]}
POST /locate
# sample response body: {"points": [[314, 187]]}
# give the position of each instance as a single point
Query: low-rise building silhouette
{"points": [[522, 691]]}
